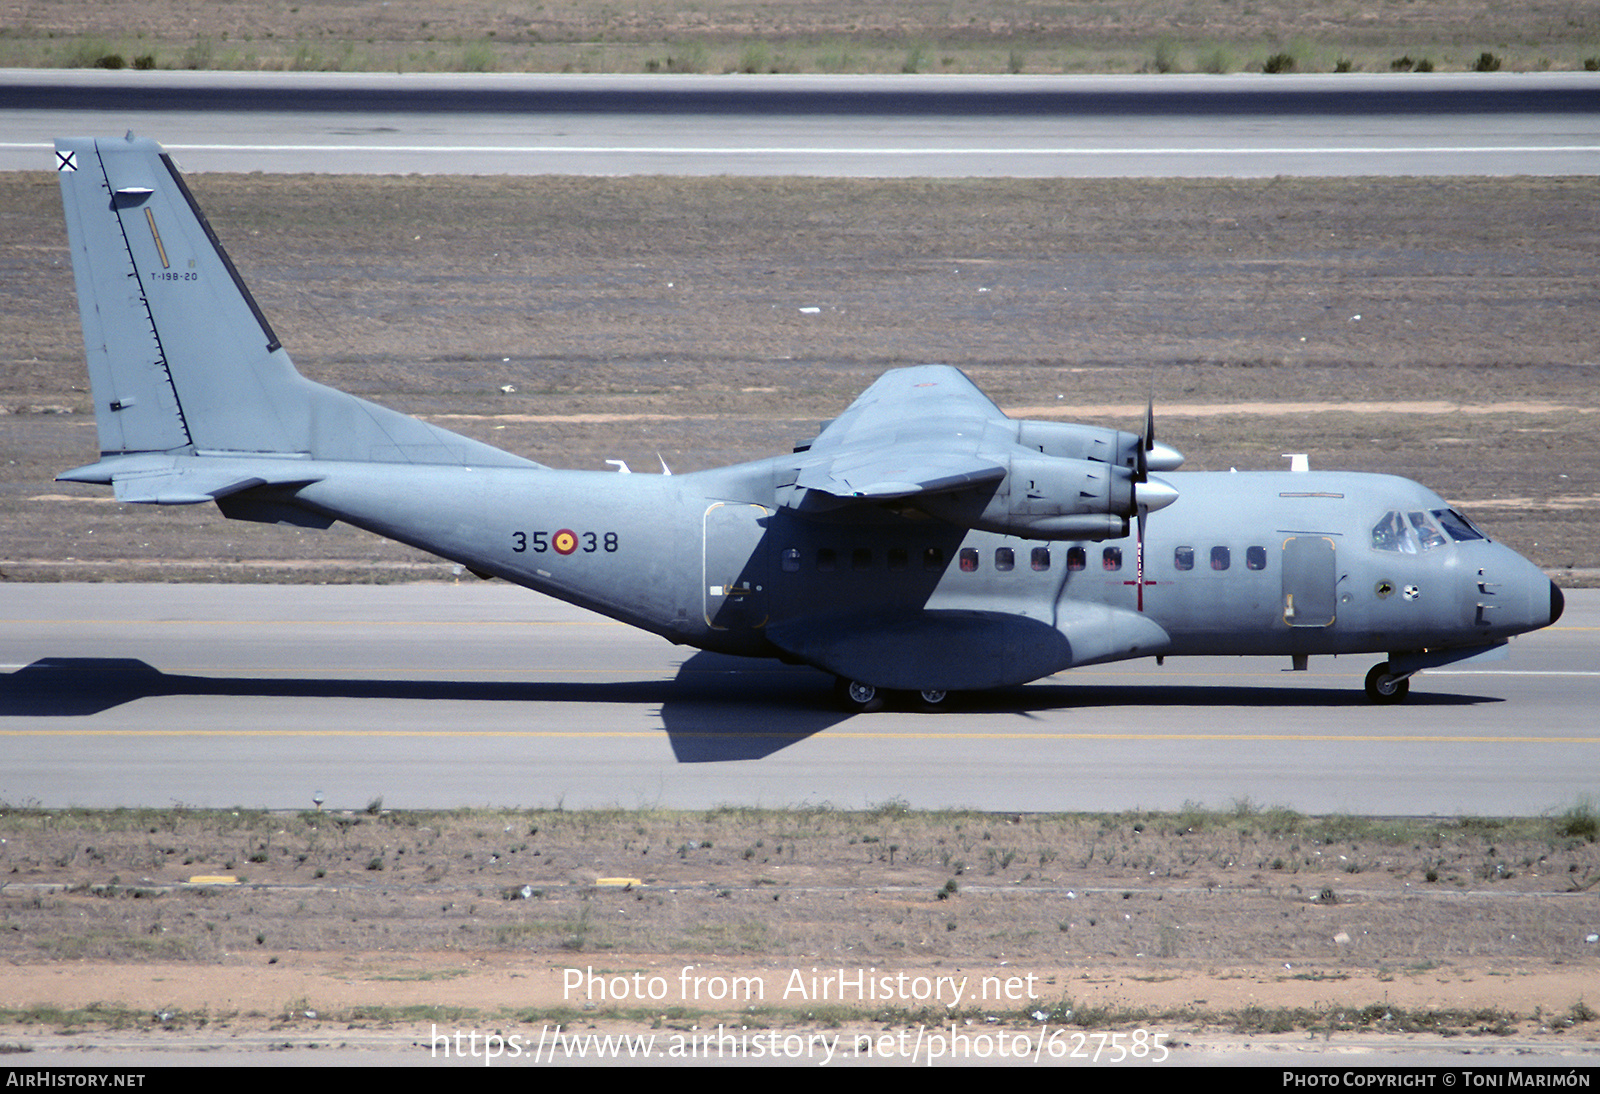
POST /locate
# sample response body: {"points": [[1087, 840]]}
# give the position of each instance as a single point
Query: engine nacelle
{"points": [[1045, 498], [1071, 441]]}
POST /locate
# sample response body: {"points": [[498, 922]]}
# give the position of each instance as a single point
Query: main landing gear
{"points": [[1383, 686], [859, 698]]}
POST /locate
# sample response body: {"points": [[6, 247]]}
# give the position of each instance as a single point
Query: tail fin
{"points": [[181, 360]]}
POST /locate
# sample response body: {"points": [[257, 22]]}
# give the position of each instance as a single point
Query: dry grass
{"points": [[1196, 884], [429, 897], [830, 36]]}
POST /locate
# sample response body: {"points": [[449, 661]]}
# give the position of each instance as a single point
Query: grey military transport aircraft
{"points": [[922, 543]]}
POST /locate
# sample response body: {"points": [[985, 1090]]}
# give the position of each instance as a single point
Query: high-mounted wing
{"points": [[917, 430], [927, 438]]}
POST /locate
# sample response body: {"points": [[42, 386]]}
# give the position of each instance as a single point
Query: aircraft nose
{"points": [[1558, 603]]}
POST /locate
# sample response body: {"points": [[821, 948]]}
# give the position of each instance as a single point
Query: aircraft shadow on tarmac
{"points": [[717, 708]]}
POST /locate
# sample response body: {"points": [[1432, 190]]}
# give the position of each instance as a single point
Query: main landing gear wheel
{"points": [[930, 701], [859, 698], [1382, 687]]}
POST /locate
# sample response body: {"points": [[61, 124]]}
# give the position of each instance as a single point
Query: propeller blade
{"points": [[1150, 494], [1147, 438], [1138, 558]]}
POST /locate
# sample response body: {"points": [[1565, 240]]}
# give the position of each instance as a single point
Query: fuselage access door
{"points": [[1310, 579], [735, 574]]}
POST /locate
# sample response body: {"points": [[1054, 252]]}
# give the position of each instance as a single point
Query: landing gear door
{"points": [[735, 572], [1309, 577]]}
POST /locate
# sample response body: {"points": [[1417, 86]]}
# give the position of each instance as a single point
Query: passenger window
{"points": [[791, 560], [933, 558], [1183, 558], [1041, 558], [1111, 558], [827, 561], [898, 559], [1255, 558], [969, 560], [861, 558], [1220, 558], [1077, 558], [1004, 558]]}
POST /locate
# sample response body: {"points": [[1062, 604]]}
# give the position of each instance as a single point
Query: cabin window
{"points": [[1221, 557], [827, 561], [791, 560], [1183, 558], [969, 560], [1111, 558], [1077, 558], [861, 558], [1041, 558], [898, 559], [933, 558], [1255, 558], [1005, 558]]}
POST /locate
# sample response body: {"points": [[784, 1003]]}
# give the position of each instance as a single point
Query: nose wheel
{"points": [[1385, 687]]}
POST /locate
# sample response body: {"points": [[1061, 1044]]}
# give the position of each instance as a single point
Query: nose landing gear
{"points": [[1384, 686]]}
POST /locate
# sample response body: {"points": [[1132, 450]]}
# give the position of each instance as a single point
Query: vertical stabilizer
{"points": [[181, 359]]}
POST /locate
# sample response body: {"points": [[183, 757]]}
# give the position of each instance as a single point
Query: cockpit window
{"points": [[1414, 531], [1407, 533], [1459, 527], [1428, 535]]}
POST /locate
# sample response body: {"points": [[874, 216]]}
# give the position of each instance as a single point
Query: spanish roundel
{"points": [[565, 541]]}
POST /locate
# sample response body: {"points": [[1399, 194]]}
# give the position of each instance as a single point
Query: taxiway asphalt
{"points": [[446, 695], [1244, 125]]}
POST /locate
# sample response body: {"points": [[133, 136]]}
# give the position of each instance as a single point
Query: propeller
{"points": [[1150, 494]]}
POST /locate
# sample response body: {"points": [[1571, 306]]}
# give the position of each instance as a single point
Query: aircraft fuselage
{"points": [[1250, 563]]}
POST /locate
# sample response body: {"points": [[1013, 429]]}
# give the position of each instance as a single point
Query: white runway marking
{"points": [[841, 150]]}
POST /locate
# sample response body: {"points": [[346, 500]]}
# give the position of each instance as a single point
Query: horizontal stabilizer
{"points": [[186, 480]]}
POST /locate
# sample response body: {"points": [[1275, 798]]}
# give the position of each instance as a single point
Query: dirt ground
{"points": [[1256, 922], [1046, 36], [1445, 330]]}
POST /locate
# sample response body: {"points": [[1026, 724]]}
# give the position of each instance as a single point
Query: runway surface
{"points": [[891, 126], [444, 695]]}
